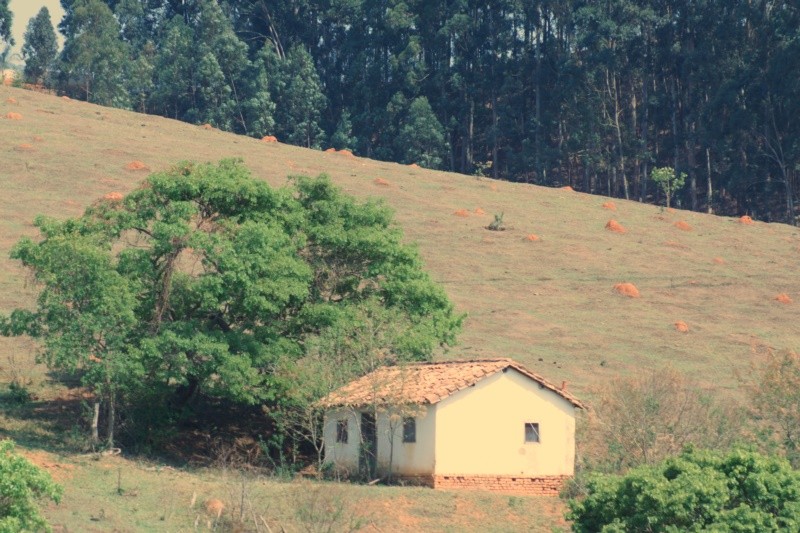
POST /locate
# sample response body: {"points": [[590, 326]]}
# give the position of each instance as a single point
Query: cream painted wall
{"points": [[343, 455], [481, 430], [408, 459]]}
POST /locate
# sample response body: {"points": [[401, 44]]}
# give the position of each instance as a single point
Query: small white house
{"points": [[489, 424]]}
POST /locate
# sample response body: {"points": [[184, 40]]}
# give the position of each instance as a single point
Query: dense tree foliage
{"points": [[696, 491], [6, 20], [571, 92], [204, 281], [40, 47], [22, 484]]}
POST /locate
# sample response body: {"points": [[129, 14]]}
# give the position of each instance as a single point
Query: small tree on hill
{"points": [[300, 100], [696, 491], [342, 138], [668, 181], [40, 47], [21, 485], [422, 138]]}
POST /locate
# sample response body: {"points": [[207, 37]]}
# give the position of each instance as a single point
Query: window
{"points": [[341, 431], [531, 432], [409, 430]]}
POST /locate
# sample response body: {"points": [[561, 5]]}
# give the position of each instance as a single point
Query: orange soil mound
{"points": [[347, 153], [414, 165], [479, 211], [136, 165], [670, 210], [627, 289], [215, 507], [719, 261], [11, 100], [493, 187], [269, 139], [66, 98], [783, 298], [683, 226], [611, 206], [745, 220], [331, 150], [532, 237], [616, 227], [13, 116], [207, 126], [681, 326], [567, 188], [25, 147], [461, 213], [113, 196], [380, 181]]}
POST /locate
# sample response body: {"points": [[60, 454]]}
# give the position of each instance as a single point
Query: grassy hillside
{"points": [[549, 303]]}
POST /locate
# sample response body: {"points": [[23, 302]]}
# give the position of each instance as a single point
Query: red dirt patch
{"points": [[136, 165], [13, 116], [66, 98], [461, 213], [719, 261], [346, 153], [25, 148], [58, 471], [382, 182], [611, 206], [479, 211], [269, 139], [670, 210], [567, 188], [681, 326], [616, 227], [783, 298], [12, 101], [627, 289], [532, 237], [207, 126], [683, 226], [331, 150], [745, 220], [414, 165], [113, 197]]}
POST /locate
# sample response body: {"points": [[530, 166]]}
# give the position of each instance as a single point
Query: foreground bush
{"points": [[696, 491], [21, 485]]}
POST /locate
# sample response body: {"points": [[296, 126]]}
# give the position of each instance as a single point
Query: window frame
{"points": [[342, 431], [533, 429], [409, 430]]}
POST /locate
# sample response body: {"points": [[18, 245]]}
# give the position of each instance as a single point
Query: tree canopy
{"points": [[22, 484], [40, 47], [696, 491], [204, 280]]}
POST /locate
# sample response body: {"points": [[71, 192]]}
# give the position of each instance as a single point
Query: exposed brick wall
{"points": [[542, 485]]}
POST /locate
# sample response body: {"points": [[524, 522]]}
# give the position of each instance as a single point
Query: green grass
{"points": [[549, 304]]}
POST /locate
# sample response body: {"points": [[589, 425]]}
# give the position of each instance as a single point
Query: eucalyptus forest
{"points": [[592, 95]]}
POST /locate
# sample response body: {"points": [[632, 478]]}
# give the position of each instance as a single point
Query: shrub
{"points": [[21, 485]]}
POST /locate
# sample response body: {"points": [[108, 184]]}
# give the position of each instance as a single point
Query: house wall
{"points": [[481, 430], [407, 459], [344, 456]]}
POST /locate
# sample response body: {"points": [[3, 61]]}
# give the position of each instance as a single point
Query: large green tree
{"points": [[697, 491], [203, 280], [40, 47], [22, 485], [300, 100]]}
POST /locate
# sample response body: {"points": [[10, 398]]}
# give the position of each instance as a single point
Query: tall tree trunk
{"points": [[709, 208], [95, 422]]}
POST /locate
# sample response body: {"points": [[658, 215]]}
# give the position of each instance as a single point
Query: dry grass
{"points": [[548, 305]]}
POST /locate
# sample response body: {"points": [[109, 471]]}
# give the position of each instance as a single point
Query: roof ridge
{"points": [[462, 361]]}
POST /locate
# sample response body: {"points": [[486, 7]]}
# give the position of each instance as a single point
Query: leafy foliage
{"points": [[696, 491], [669, 181], [21, 485], [203, 280], [40, 47], [6, 20]]}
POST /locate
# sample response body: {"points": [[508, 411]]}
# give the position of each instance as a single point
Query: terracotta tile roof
{"points": [[427, 383]]}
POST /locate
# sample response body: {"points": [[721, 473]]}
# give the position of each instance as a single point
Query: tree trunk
{"points": [[709, 208], [95, 421], [110, 421]]}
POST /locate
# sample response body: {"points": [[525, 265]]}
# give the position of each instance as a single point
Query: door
{"points": [[368, 456]]}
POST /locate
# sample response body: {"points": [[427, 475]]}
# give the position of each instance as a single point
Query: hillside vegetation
{"points": [[549, 303]]}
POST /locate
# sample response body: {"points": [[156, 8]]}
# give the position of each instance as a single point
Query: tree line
{"points": [[571, 92]]}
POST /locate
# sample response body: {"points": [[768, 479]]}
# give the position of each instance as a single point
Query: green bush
{"points": [[697, 491], [21, 485]]}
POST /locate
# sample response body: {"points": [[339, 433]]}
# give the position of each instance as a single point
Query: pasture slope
{"points": [[542, 291]]}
